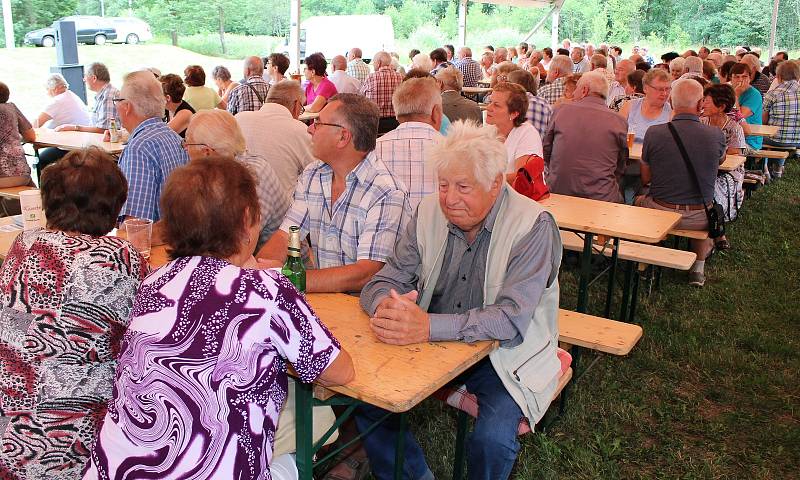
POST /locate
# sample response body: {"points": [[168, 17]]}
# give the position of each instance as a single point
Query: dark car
{"points": [[89, 29]]}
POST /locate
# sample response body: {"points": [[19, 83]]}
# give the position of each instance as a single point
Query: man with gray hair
{"points": [[98, 80], [782, 109], [287, 148], [454, 105], [356, 67], [693, 67], [560, 68], [758, 80], [379, 87], [599, 63], [580, 64], [672, 186], [250, 95], [469, 68], [344, 83], [586, 144], [154, 150], [478, 261], [617, 87], [350, 206], [418, 106]]}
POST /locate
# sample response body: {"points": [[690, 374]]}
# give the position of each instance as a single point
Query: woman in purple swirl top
{"points": [[201, 377]]}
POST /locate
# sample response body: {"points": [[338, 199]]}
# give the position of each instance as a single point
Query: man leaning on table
{"points": [[348, 203], [477, 261], [153, 151]]}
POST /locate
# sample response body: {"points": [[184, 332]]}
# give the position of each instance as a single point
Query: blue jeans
{"points": [[492, 446], [769, 141]]}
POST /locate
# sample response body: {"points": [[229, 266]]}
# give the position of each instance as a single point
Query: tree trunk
{"points": [[222, 30], [174, 35]]}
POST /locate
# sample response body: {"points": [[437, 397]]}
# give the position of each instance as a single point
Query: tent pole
{"points": [[462, 23], [774, 28], [294, 34]]}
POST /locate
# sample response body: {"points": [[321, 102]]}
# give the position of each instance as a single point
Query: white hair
{"points": [[451, 78], [383, 59], [677, 64], [563, 63], [596, 82], [416, 96], [56, 80], [693, 65], [145, 93], [469, 146], [422, 61], [686, 93], [217, 129], [752, 61]]}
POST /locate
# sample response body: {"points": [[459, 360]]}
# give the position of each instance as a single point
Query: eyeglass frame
{"points": [[117, 99], [186, 145], [316, 123]]}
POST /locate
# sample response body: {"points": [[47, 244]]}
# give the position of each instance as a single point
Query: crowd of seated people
{"points": [[395, 172]]}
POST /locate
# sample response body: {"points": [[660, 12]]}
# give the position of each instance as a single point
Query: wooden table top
{"points": [[46, 137], [13, 192], [627, 222], [763, 130], [731, 161], [7, 238], [476, 90], [392, 377]]}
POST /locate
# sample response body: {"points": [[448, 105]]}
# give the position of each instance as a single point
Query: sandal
{"points": [[722, 245], [354, 467]]}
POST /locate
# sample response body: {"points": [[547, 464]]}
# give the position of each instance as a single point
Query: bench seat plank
{"points": [[596, 333], [695, 234], [637, 252]]}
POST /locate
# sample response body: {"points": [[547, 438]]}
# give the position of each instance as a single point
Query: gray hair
{"points": [[465, 52], [677, 65], [473, 147], [144, 93], [57, 80], [693, 65], [381, 59], [451, 78], [217, 129], [416, 96], [599, 60], [752, 61], [100, 71], [788, 70], [686, 93], [422, 61], [596, 82], [563, 63], [286, 93], [361, 116]]}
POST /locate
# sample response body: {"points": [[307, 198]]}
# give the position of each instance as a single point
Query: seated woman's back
{"points": [[66, 299]]}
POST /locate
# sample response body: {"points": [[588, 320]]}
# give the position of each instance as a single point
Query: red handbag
{"points": [[530, 179]]}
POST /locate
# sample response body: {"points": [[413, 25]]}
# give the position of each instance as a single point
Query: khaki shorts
{"points": [[285, 440], [690, 219]]}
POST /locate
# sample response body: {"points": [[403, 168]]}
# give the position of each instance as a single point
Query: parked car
{"points": [[131, 30]]}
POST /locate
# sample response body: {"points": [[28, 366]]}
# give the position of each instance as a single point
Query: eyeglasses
{"points": [[316, 123], [117, 99], [659, 90]]}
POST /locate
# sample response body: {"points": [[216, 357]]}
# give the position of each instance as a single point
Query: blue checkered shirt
{"points": [[553, 91], [470, 69], [245, 97], [358, 69], [539, 112], [153, 152], [364, 222], [783, 106], [403, 152], [104, 108]]}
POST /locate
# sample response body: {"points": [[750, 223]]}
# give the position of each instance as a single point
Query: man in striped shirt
{"points": [[379, 87], [349, 205], [356, 67]]}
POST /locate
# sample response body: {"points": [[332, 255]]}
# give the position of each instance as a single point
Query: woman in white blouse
{"points": [[506, 111]]}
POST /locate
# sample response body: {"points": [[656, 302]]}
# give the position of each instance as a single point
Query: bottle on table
{"points": [[114, 131], [293, 269]]}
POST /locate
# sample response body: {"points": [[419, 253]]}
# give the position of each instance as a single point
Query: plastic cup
{"points": [[30, 202], [139, 232]]}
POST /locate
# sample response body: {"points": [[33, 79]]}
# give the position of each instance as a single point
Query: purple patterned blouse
{"points": [[202, 374]]}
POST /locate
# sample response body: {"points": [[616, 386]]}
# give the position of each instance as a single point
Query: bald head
{"points": [[624, 67], [253, 66], [686, 97], [381, 59], [592, 83], [339, 63], [465, 52], [354, 53]]}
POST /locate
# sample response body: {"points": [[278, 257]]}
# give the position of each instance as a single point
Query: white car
{"points": [[130, 30]]}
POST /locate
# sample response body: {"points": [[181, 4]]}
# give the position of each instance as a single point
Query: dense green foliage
{"points": [[677, 22]]}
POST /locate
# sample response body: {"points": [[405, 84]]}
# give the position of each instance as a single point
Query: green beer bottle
{"points": [[293, 269]]}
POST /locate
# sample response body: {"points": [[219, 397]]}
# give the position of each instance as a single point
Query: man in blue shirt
{"points": [[153, 151]]}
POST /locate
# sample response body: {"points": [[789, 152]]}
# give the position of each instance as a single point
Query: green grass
{"points": [[711, 391], [237, 46]]}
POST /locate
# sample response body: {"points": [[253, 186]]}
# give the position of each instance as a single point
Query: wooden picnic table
{"points": [[13, 192], [476, 90], [763, 130], [46, 137], [732, 162]]}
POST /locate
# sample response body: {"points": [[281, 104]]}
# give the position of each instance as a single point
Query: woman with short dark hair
{"points": [[178, 112], [202, 375], [67, 293], [197, 94], [318, 89], [277, 65]]}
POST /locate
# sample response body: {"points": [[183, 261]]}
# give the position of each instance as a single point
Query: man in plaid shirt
{"points": [[356, 67], [249, 96], [98, 80], [782, 108], [348, 203], [379, 87], [468, 67], [560, 68]]}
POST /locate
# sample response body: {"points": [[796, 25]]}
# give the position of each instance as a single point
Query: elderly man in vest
{"points": [[478, 261]]}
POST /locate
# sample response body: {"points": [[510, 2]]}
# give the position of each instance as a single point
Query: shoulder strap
{"points": [[685, 157], [260, 99]]}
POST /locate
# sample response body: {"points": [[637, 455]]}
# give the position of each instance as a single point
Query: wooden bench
{"points": [[636, 252], [695, 234], [777, 154]]}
